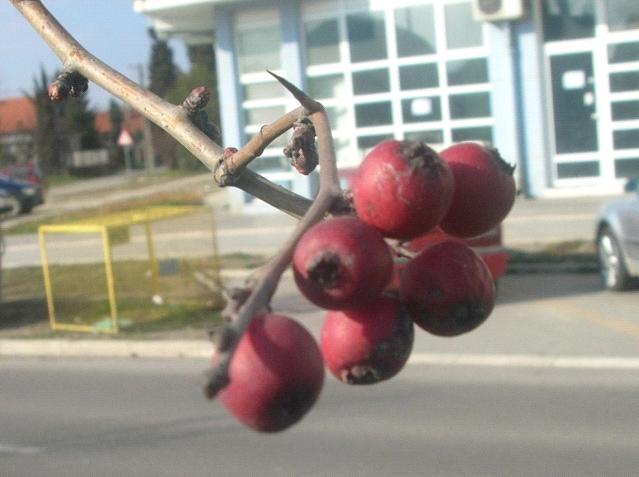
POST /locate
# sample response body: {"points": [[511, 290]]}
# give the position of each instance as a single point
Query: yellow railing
{"points": [[103, 225]]}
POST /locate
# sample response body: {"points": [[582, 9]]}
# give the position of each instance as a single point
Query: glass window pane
{"points": [[622, 52], [484, 134], [622, 14], [628, 81], [418, 76], [568, 19], [338, 117], [322, 87], [263, 90], [373, 114], [472, 105], [372, 81], [462, 30], [625, 110], [417, 110], [259, 116], [270, 164], [569, 170], [322, 42], [415, 31], [627, 167], [366, 36], [364, 143], [467, 71], [435, 136], [626, 139], [259, 49]]}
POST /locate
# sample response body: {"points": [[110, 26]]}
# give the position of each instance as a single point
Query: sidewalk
{"points": [[531, 224]]}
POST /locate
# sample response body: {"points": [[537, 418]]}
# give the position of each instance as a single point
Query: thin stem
{"points": [[173, 119], [269, 276]]}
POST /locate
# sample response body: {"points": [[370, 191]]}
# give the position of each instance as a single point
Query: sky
{"points": [[109, 29]]}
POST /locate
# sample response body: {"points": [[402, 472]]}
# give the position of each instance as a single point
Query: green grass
{"points": [[162, 199], [80, 298]]}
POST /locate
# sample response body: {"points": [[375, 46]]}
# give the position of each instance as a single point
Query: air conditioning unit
{"points": [[497, 10]]}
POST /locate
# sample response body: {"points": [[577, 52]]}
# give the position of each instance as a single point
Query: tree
{"points": [[202, 72], [79, 123], [163, 74], [49, 136]]}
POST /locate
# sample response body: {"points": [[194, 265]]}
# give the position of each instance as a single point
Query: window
{"points": [[322, 42], [623, 52], [467, 71], [626, 139], [329, 86], [627, 167], [568, 170], [462, 31], [415, 31], [259, 49], [366, 36], [622, 14], [417, 110], [270, 89], [625, 110], [568, 19], [371, 81], [418, 76], [628, 81], [472, 105], [373, 114]]}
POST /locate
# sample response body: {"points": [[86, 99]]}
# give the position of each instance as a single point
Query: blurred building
{"points": [[553, 84]]}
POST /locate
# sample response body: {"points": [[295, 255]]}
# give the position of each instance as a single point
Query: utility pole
{"points": [[149, 151]]}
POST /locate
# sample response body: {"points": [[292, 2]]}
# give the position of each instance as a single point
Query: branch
{"points": [[269, 276], [173, 119]]}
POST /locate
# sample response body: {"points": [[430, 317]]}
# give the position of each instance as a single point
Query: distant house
{"points": [[553, 84], [18, 122]]}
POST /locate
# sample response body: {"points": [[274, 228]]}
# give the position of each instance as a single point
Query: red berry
{"points": [[368, 344], [341, 263], [447, 289], [484, 189], [402, 188], [275, 376]]}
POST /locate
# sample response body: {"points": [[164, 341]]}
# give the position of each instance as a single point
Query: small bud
{"points": [[197, 99], [58, 90]]}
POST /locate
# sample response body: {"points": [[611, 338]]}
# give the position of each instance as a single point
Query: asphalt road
{"points": [[147, 418]]}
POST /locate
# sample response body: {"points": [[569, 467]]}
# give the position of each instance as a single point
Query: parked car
{"points": [[25, 172], [617, 239], [21, 196]]}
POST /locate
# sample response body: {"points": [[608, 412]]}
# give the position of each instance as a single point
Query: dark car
{"points": [[617, 238], [21, 196]]}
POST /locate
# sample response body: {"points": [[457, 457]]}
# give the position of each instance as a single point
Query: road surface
{"points": [[147, 418]]}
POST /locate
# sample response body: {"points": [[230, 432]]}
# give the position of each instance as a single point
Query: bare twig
{"points": [[173, 119], [270, 274]]}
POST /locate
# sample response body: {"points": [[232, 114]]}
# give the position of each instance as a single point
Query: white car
{"points": [[617, 239]]}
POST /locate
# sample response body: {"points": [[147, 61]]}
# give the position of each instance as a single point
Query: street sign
{"points": [[125, 139]]}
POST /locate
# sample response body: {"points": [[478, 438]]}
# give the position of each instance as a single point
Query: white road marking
{"points": [[21, 450], [526, 361]]}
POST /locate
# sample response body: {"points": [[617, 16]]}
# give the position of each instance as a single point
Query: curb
{"points": [[105, 349]]}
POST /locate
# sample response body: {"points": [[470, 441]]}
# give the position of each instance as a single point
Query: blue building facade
{"points": [[555, 89]]}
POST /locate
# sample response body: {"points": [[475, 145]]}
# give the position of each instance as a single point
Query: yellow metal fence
{"points": [[106, 272]]}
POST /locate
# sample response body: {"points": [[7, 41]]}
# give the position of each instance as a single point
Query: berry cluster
{"points": [[402, 190]]}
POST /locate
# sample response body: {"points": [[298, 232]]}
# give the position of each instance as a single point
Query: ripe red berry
{"points": [[484, 189], [341, 263], [402, 188], [275, 376], [447, 289], [368, 344]]}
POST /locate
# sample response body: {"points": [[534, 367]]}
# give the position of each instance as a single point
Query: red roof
{"points": [[16, 115], [132, 124]]}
